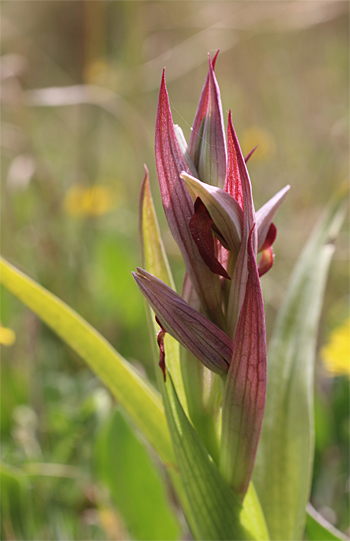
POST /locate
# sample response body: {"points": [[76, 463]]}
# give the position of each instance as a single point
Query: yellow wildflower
{"points": [[7, 336], [264, 139], [336, 353], [92, 201]]}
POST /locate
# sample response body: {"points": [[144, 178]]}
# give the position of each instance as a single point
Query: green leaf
{"points": [[136, 485], [15, 502], [156, 262], [135, 394], [216, 511], [319, 529], [283, 469]]}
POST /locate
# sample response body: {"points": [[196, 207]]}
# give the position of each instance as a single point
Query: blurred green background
{"points": [[80, 86]]}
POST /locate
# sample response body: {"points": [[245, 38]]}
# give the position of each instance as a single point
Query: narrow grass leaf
{"points": [[154, 258], [135, 395], [282, 474], [155, 261]]}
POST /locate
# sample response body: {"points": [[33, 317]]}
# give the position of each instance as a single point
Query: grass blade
{"points": [[283, 470], [139, 399]]}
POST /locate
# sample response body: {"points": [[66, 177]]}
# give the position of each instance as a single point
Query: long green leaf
{"points": [[318, 529], [216, 510], [155, 261], [135, 395], [282, 474]]}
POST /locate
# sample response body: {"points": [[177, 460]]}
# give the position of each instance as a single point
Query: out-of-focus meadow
{"points": [[79, 95]]}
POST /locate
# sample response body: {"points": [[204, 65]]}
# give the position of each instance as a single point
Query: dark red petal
{"points": [[201, 231], [266, 261], [160, 341], [270, 238]]}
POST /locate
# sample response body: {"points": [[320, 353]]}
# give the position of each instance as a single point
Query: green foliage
{"points": [[15, 502], [136, 486], [138, 398], [285, 455]]}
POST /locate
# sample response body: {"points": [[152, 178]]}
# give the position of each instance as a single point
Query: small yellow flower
{"points": [[7, 336], [254, 136], [93, 201], [336, 353]]}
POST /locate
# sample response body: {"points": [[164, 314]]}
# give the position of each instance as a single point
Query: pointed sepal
{"points": [[239, 186], [245, 389], [265, 215], [207, 145], [193, 330]]}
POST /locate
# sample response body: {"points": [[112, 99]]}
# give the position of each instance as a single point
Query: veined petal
{"points": [[266, 213], [240, 187], [245, 390], [193, 330], [207, 145], [223, 209], [179, 210]]}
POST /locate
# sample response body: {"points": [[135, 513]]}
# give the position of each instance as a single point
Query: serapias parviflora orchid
{"points": [[219, 319]]}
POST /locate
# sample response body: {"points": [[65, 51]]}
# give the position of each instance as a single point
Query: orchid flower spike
{"points": [[207, 199]]}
